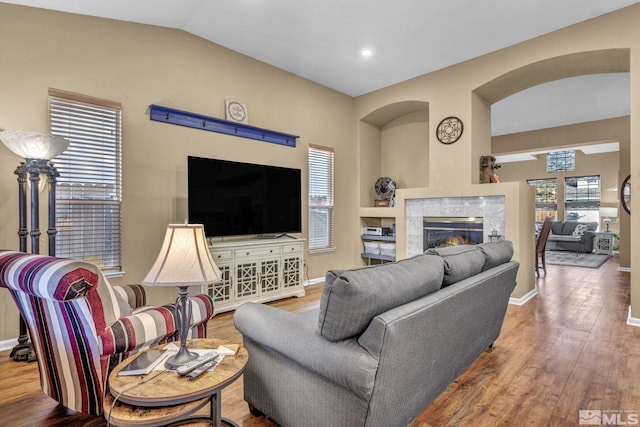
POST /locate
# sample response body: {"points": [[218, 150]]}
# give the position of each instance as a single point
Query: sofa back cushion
{"points": [[351, 298], [460, 262], [556, 227]]}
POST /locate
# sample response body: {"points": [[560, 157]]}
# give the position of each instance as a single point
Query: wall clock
{"points": [[625, 194], [235, 111], [449, 130]]}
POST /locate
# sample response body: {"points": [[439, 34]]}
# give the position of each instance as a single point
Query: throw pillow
{"points": [[580, 229]]}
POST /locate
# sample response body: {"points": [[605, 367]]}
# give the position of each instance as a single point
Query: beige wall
{"points": [[139, 65], [406, 134]]}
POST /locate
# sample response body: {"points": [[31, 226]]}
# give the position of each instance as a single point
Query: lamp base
{"points": [[179, 359]]}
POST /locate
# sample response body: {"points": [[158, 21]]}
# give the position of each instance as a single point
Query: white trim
{"points": [[313, 281], [632, 321], [8, 344], [625, 269], [524, 299]]}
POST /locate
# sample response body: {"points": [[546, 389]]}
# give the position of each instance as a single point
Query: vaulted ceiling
{"points": [[323, 42]]}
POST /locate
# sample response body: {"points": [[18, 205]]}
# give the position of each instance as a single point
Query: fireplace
{"points": [[451, 231]]}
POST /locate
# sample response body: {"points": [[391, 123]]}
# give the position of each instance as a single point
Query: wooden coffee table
{"points": [[169, 398]]}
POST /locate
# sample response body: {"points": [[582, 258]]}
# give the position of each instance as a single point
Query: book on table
{"points": [[144, 363]]}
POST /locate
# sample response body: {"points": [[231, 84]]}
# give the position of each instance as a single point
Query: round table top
{"points": [[169, 388]]}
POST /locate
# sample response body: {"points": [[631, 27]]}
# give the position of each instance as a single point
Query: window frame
{"points": [[324, 171], [561, 161], [89, 189], [545, 205]]}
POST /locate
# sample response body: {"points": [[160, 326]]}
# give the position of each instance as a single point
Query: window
{"points": [[321, 233], [89, 188], [561, 161], [546, 197], [582, 198]]}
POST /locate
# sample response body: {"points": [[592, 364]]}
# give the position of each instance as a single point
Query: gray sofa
{"points": [[563, 236], [384, 343]]}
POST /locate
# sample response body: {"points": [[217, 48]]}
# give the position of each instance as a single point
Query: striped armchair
{"points": [[81, 327]]}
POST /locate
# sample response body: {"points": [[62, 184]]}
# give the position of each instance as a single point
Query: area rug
{"points": [[570, 258]]}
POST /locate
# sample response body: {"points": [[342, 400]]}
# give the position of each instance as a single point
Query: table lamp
{"points": [[184, 260], [608, 213]]}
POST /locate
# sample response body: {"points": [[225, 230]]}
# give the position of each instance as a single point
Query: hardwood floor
{"points": [[568, 349]]}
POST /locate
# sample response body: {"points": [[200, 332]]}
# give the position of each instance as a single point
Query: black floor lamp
{"points": [[37, 149]]}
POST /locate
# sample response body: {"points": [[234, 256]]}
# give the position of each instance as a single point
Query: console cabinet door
{"points": [[292, 265], [246, 279], [269, 275], [222, 291]]}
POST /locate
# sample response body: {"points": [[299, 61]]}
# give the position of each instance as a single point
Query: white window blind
{"points": [[321, 186], [89, 190]]}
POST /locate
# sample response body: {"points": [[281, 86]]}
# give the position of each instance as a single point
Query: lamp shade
{"points": [[609, 212], [184, 259], [33, 145]]}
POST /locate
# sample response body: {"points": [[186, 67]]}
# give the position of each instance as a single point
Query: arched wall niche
{"points": [[394, 142]]}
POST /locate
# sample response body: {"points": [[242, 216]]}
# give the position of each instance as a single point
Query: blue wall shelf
{"points": [[213, 124]]}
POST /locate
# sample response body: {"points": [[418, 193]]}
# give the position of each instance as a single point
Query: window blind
{"points": [[89, 188], [321, 188]]}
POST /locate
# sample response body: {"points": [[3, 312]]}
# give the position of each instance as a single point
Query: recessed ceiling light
{"points": [[366, 52]]}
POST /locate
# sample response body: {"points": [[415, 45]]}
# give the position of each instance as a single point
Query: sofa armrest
{"points": [[140, 330], [343, 362]]}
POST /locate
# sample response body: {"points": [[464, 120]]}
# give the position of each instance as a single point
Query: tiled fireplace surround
{"points": [[490, 208]]}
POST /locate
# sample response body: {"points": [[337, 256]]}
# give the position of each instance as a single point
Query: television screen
{"points": [[232, 198]]}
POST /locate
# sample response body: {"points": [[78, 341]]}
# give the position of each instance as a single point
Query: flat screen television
{"points": [[234, 199]]}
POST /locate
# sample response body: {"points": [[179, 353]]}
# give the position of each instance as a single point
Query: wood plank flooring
{"points": [[568, 349]]}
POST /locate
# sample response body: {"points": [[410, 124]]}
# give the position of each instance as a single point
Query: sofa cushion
{"points": [[460, 262], [351, 298], [496, 253]]}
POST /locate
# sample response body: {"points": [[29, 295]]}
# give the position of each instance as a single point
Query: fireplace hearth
{"points": [[452, 231]]}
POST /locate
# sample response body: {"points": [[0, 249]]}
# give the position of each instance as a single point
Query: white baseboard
{"points": [[8, 344], [625, 269], [524, 299], [313, 281], [632, 321]]}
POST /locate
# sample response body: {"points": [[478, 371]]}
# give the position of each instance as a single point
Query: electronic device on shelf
{"points": [[233, 199]]}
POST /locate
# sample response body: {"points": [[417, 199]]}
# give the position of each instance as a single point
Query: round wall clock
{"points": [[449, 130], [236, 111], [625, 194]]}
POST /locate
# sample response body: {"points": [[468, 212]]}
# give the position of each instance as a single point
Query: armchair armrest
{"points": [[343, 362], [140, 330], [134, 295]]}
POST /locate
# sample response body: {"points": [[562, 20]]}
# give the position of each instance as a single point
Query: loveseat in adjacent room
{"points": [[572, 236]]}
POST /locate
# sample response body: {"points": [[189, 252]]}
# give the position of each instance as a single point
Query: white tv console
{"points": [[256, 270]]}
